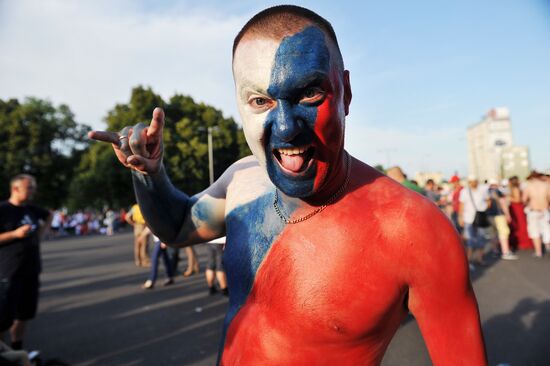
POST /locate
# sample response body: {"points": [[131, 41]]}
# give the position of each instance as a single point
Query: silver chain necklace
{"points": [[318, 209]]}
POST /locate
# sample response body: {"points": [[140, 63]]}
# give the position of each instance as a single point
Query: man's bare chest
{"points": [[319, 274]]}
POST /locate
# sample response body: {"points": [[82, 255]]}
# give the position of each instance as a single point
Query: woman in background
{"points": [[519, 239]]}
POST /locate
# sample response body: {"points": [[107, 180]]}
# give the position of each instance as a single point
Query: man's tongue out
{"points": [[293, 162]]}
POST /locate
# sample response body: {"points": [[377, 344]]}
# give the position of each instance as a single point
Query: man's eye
{"points": [[260, 101], [312, 95]]}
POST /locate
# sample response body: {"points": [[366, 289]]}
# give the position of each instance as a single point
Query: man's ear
{"points": [[347, 92]]}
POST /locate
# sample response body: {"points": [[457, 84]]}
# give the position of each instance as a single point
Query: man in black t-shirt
{"points": [[21, 228]]}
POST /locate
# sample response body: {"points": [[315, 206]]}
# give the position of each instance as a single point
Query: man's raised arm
{"points": [[172, 215]]}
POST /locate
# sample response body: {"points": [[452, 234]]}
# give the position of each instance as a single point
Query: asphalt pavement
{"points": [[93, 311]]}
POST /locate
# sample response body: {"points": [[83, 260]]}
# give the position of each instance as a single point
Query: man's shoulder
{"points": [[379, 189], [244, 181], [6, 207], [396, 204], [246, 171], [397, 220]]}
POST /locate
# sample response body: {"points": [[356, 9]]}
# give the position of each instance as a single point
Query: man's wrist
{"points": [[153, 181]]}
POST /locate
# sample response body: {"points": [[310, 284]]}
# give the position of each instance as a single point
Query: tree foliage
{"points": [[101, 180], [43, 140]]}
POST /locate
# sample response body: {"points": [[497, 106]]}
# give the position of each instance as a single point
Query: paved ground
{"points": [[93, 311]]}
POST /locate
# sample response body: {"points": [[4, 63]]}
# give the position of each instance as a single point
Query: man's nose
{"points": [[286, 124]]}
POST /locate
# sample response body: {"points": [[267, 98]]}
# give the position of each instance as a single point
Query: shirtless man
{"points": [[536, 197], [324, 256]]}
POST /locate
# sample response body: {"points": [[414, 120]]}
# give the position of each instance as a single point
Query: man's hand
{"points": [[139, 147], [22, 231]]}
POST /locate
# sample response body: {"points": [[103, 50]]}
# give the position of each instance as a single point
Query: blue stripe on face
{"points": [[251, 230], [301, 60]]}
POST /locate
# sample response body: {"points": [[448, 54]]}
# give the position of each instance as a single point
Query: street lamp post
{"points": [[210, 156]]}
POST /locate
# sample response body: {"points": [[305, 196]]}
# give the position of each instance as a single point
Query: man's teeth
{"points": [[293, 151]]}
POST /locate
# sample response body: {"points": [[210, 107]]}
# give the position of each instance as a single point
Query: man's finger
{"points": [[105, 136], [157, 123], [123, 140], [143, 165], [138, 140]]}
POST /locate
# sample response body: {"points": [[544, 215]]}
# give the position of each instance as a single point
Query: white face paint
{"points": [[252, 66]]}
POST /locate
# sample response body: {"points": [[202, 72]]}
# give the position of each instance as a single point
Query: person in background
{"points": [[192, 262], [397, 174], [56, 227], [455, 201], [473, 199], [22, 227], [159, 250], [536, 197], [109, 221], [499, 217], [141, 242], [519, 238], [214, 267], [430, 191]]}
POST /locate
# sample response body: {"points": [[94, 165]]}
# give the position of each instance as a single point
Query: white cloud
{"points": [[89, 55]]}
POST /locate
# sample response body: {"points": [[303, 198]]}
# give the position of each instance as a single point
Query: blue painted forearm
{"points": [[163, 206]]}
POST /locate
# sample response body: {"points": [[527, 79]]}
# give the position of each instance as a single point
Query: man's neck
{"points": [[16, 202]]}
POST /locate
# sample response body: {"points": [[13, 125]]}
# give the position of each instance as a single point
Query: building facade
{"points": [[491, 150], [515, 162]]}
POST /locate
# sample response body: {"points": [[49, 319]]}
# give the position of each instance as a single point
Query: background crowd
{"points": [[493, 217]]}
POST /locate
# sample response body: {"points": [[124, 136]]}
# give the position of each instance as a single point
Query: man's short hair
{"points": [[277, 21], [20, 177]]}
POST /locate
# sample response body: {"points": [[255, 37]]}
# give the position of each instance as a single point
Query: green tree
{"points": [[43, 140], [185, 145], [380, 168], [100, 181]]}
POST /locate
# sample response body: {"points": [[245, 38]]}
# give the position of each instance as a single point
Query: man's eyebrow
{"points": [[250, 86], [316, 77]]}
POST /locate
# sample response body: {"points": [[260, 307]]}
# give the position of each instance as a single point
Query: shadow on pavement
{"points": [[521, 337]]}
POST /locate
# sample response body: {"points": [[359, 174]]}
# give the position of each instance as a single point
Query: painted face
{"points": [[290, 97]]}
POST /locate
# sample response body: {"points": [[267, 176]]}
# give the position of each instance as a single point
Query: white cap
{"points": [[472, 178]]}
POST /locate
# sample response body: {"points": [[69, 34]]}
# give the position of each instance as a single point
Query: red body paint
{"points": [[334, 289]]}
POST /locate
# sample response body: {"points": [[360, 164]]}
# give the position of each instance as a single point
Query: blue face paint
{"points": [[251, 230], [301, 61]]}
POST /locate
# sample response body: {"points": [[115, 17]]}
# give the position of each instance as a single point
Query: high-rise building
{"points": [[491, 150], [515, 161]]}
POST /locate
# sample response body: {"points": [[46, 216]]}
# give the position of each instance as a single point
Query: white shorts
{"points": [[538, 224]]}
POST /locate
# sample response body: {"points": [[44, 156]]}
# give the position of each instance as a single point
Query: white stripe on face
{"points": [[252, 66]]}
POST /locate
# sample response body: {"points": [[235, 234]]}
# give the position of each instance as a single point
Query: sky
{"points": [[421, 71]]}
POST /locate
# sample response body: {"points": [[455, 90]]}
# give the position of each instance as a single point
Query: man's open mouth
{"points": [[295, 159]]}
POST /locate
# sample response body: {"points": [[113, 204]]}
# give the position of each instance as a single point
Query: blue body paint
{"points": [[201, 210], [300, 61], [251, 230]]}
